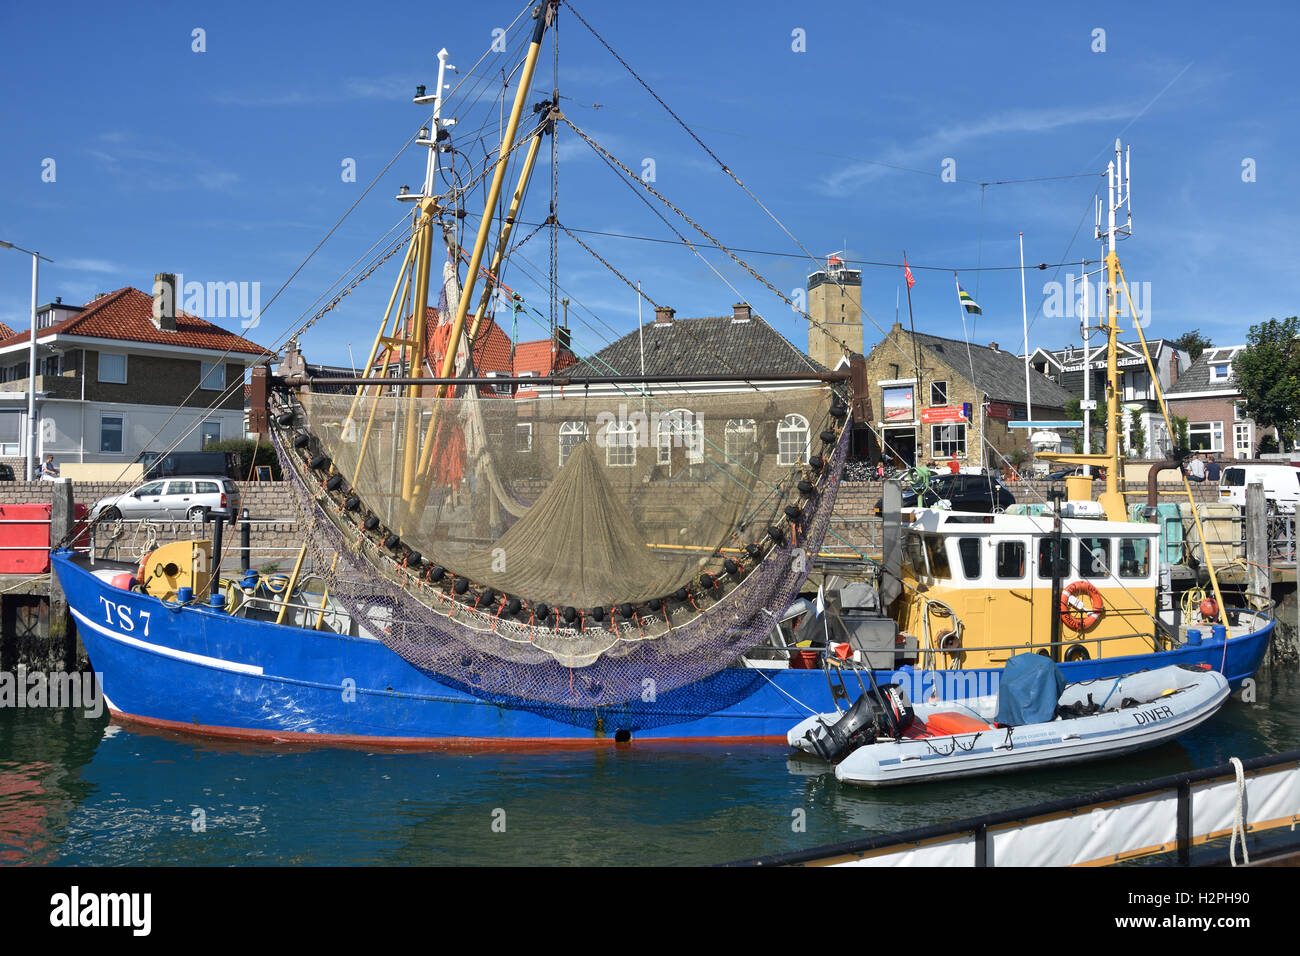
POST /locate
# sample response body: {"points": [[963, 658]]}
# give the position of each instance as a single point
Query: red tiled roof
{"points": [[6, 332], [492, 351], [542, 357], [126, 315]]}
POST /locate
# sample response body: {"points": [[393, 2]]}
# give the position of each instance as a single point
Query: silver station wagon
{"points": [[189, 497]]}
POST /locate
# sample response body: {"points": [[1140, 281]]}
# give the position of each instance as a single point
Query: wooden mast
{"points": [[416, 467]]}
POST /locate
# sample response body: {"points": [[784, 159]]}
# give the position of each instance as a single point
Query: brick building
{"points": [[1065, 367], [1208, 397], [119, 376], [935, 397]]}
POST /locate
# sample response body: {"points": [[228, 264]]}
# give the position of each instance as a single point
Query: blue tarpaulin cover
{"points": [[1031, 685]]}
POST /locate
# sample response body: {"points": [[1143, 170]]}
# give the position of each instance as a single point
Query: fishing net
{"points": [[590, 504], [572, 500]]}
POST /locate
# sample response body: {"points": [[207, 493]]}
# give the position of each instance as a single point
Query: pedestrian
{"points": [[880, 470], [1196, 468], [952, 465], [49, 470], [1212, 470]]}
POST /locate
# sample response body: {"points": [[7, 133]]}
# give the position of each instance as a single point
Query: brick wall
{"points": [[276, 533]]}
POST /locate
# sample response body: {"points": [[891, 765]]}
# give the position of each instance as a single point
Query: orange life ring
{"points": [[1071, 615]]}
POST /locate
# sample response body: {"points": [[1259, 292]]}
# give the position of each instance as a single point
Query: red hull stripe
{"points": [[419, 743]]}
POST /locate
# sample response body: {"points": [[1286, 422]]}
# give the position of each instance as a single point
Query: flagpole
{"points": [[961, 307], [1024, 314], [916, 351]]}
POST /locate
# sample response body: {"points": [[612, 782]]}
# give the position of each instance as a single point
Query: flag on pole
{"points": [[907, 274], [967, 302]]}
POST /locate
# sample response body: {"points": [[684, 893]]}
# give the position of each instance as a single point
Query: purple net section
{"points": [[504, 659]]}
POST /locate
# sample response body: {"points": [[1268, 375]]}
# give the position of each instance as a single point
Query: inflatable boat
{"points": [[1035, 720]]}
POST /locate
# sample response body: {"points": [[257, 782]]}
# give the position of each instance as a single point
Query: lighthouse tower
{"points": [[835, 305]]}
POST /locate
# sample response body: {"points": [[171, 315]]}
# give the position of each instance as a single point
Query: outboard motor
{"points": [[883, 711]]}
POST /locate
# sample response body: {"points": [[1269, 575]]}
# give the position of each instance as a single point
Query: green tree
{"points": [[1137, 435], [265, 455], [1096, 426], [1180, 431], [1268, 374], [1193, 343]]}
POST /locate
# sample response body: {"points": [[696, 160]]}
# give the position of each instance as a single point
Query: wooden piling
{"points": [[1257, 557], [63, 637]]}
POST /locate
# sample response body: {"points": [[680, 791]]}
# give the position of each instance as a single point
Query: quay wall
{"points": [[275, 530]]}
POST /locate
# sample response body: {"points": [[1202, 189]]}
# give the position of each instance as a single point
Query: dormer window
{"points": [[1219, 372]]}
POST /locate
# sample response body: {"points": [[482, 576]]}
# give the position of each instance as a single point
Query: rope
{"points": [[1239, 823], [796, 700]]}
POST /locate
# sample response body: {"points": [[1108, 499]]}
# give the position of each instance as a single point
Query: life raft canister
{"points": [[1074, 617]]}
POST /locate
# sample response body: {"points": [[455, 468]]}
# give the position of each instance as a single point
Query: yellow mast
{"points": [[1111, 500], [416, 467]]}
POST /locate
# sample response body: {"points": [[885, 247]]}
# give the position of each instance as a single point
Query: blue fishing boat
{"points": [[594, 553], [198, 669]]}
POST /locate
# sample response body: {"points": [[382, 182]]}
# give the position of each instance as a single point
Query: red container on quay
{"points": [[25, 537]]}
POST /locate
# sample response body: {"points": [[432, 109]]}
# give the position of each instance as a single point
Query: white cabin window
{"points": [[937, 554], [1094, 557], [1045, 548], [1134, 557], [969, 550], [1011, 560]]}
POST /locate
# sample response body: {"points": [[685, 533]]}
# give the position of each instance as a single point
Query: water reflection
{"points": [[77, 791]]}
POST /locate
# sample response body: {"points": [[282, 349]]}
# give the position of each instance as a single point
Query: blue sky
{"points": [[225, 165]]}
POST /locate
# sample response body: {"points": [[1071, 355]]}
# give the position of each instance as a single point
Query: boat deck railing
{"points": [[128, 539], [1259, 607], [1186, 817]]}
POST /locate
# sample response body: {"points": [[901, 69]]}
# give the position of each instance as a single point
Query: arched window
{"points": [[680, 428], [620, 444], [792, 440], [740, 441], [572, 434]]}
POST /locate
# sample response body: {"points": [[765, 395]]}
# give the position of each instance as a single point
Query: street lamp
{"points": [[31, 358]]}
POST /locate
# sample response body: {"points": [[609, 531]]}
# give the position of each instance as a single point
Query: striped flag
{"points": [[907, 274], [967, 302]]}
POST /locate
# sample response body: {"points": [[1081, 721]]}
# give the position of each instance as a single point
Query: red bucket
{"points": [[804, 660]]}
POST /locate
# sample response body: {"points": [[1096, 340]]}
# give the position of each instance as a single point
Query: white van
{"points": [[1281, 485]]}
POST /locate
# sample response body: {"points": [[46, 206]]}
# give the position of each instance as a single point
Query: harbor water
{"points": [[85, 791]]}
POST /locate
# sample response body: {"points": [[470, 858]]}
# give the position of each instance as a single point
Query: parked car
{"points": [[1281, 485], [179, 463], [171, 498], [964, 492]]}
